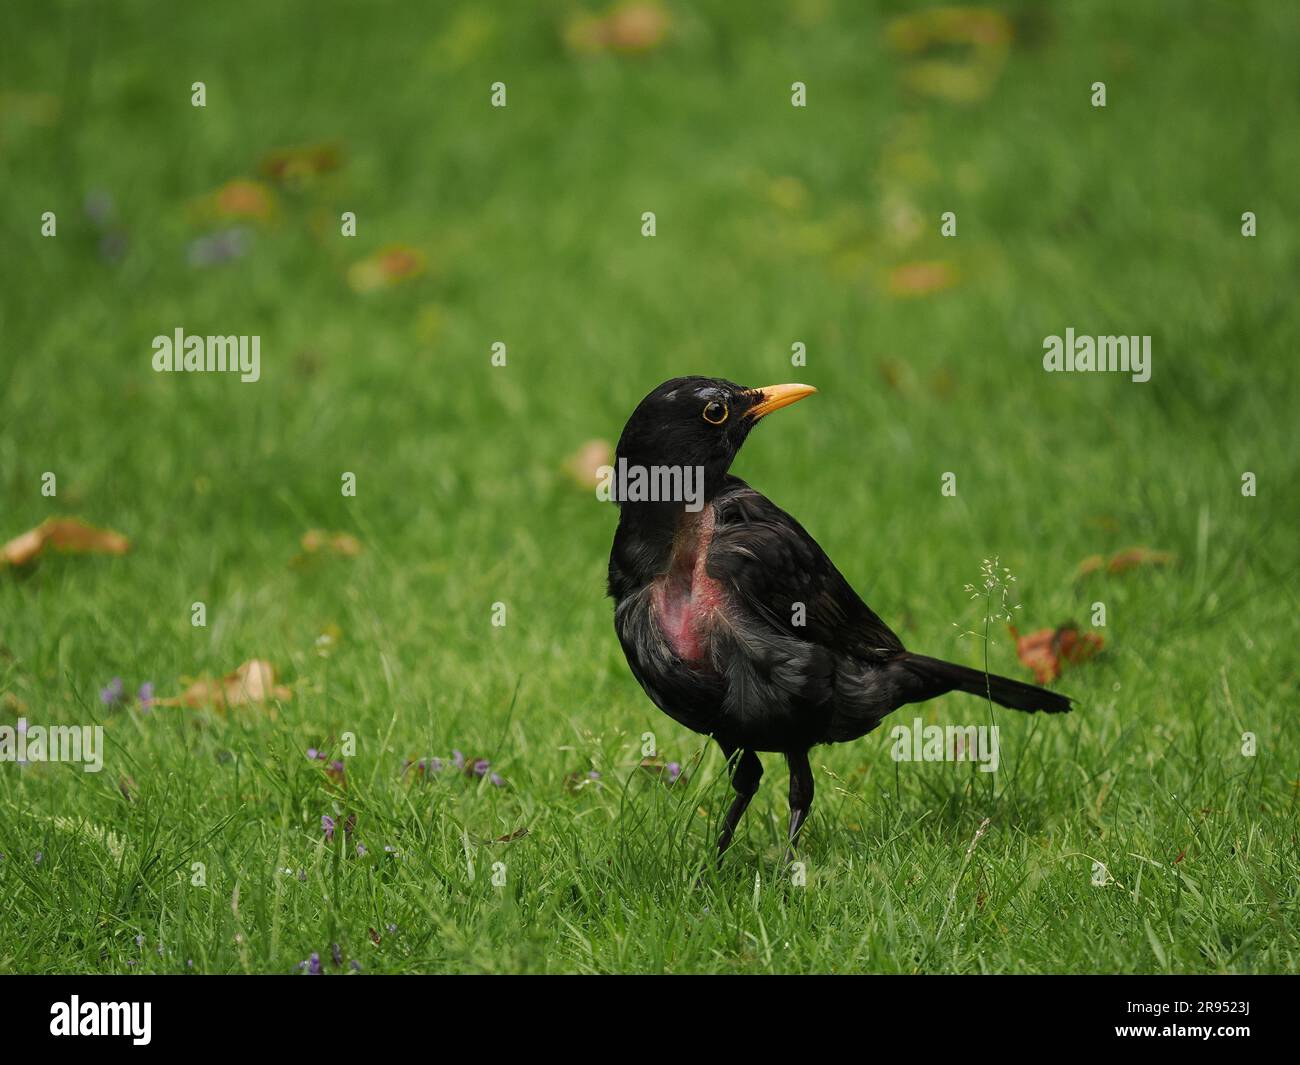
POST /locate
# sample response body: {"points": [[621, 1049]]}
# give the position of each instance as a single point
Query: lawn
{"points": [[1133, 835]]}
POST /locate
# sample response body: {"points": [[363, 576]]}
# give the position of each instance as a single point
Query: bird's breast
{"points": [[685, 599]]}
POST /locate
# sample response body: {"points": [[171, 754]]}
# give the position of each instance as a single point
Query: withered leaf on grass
{"points": [[297, 165], [955, 53], [252, 682], [921, 278], [518, 833], [63, 534], [1130, 558], [316, 541], [583, 466], [1044, 651], [239, 199], [388, 266], [627, 28]]}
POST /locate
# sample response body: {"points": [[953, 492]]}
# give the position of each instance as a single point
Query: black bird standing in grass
{"points": [[734, 621]]}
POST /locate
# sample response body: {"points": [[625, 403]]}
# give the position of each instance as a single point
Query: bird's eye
{"points": [[715, 413]]}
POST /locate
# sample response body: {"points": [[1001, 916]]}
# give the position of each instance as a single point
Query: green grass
{"points": [[1121, 220]]}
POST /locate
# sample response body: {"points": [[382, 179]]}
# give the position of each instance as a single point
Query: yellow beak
{"points": [[774, 397]]}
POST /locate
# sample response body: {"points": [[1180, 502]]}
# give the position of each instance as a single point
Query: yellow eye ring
{"points": [[714, 408]]}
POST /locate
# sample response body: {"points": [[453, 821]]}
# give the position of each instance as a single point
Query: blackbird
{"points": [[731, 616]]}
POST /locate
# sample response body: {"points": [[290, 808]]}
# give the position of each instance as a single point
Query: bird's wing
{"points": [[780, 573]]}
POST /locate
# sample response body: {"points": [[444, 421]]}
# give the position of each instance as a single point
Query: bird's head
{"points": [[699, 423]]}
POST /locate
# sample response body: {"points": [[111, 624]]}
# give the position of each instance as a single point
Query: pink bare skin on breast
{"points": [[685, 598]]}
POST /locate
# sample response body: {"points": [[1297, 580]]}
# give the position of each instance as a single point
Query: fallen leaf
{"points": [[242, 198], [583, 466], [385, 268], [629, 28], [1044, 651], [297, 165], [921, 278], [13, 704], [518, 833], [1138, 556], [253, 682], [955, 53], [63, 534], [345, 545], [1130, 558]]}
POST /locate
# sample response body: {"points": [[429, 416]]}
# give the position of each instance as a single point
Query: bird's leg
{"points": [[801, 796], [747, 771]]}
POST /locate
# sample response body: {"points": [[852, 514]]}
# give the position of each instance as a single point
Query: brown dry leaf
{"points": [[297, 165], [1137, 556], [242, 198], [1129, 558], [921, 278], [583, 466], [956, 53], [1044, 651], [63, 534], [629, 29], [518, 833], [345, 545], [1091, 564], [253, 682], [387, 267]]}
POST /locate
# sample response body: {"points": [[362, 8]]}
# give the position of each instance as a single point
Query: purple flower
{"points": [[361, 850], [497, 782], [313, 964], [112, 695], [354, 965], [113, 245], [219, 247], [327, 825], [481, 767], [593, 775], [674, 770], [146, 693], [312, 753], [458, 759], [337, 765], [99, 207]]}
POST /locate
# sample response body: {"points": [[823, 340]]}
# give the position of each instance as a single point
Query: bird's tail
{"points": [[933, 676]]}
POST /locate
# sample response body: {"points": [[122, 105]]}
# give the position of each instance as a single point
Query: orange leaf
{"points": [[583, 466], [386, 267], [338, 543], [63, 534], [629, 28], [253, 682], [1130, 558], [293, 165], [1137, 556], [1044, 651], [921, 278]]}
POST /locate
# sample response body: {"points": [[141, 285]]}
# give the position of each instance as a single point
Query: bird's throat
{"points": [[684, 597]]}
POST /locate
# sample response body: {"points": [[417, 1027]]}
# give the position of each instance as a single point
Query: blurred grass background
{"points": [[775, 224]]}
